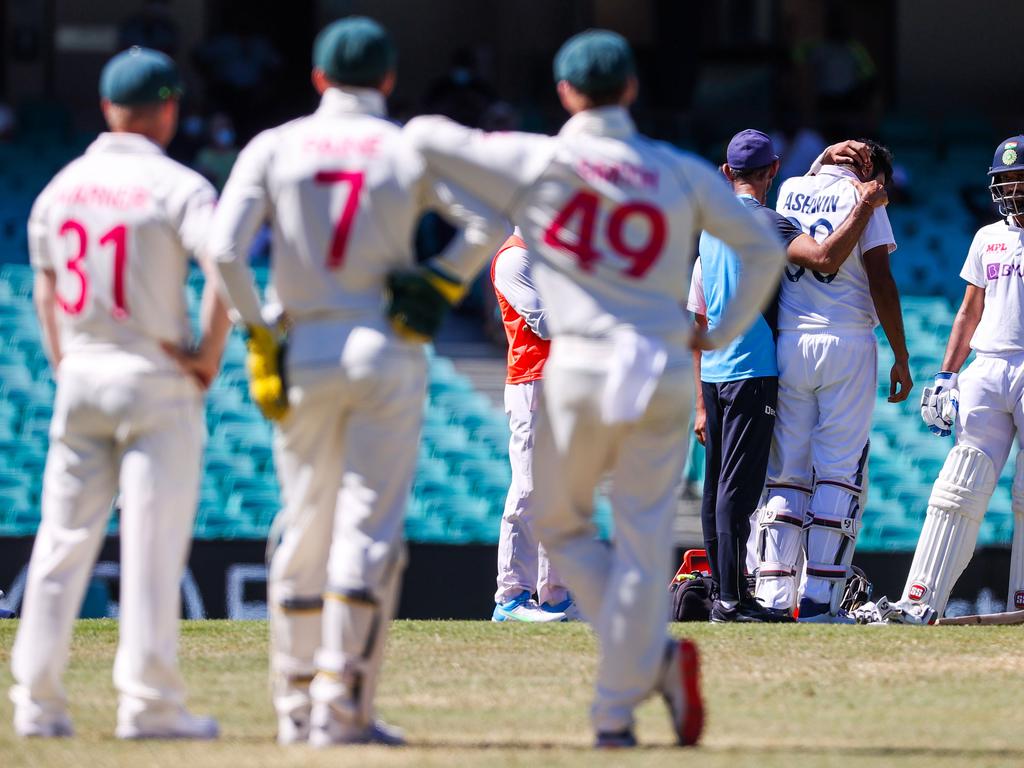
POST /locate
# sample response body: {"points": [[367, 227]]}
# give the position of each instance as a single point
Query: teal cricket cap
{"points": [[354, 51], [595, 62], [140, 76]]}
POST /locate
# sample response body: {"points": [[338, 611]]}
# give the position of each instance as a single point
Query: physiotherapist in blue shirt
{"points": [[737, 386]]}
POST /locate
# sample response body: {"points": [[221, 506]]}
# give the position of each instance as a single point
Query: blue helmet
{"points": [[1008, 194]]}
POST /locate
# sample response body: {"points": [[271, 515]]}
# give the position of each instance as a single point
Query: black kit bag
{"points": [[692, 596]]}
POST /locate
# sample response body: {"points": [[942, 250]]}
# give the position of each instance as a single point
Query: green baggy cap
{"points": [[595, 62], [140, 76], [354, 51]]}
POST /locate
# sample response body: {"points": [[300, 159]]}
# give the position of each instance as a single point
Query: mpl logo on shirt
{"points": [[917, 591], [995, 247]]}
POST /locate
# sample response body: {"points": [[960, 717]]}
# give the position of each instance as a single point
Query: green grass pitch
{"points": [[476, 693]]}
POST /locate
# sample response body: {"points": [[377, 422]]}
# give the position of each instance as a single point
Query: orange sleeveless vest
{"points": [[527, 351]]}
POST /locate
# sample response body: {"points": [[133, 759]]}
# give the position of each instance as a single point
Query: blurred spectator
{"points": [[153, 26], [462, 93], [843, 75], [190, 138], [240, 71], [216, 159], [798, 145], [8, 123]]}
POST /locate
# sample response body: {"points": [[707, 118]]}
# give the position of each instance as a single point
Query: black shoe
{"points": [[742, 614], [615, 739], [771, 615]]}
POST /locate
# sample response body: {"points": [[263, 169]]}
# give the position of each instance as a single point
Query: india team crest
{"points": [[1010, 157]]}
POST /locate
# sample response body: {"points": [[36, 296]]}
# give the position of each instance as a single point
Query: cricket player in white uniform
{"points": [[984, 405], [523, 564], [612, 217], [343, 194], [827, 357], [110, 239]]}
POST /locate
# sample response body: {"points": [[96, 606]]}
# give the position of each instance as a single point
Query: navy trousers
{"points": [[740, 421]]}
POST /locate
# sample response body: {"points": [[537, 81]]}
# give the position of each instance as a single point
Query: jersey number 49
{"points": [[580, 215]]}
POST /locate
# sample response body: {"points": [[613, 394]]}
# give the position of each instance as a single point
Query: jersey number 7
{"points": [[584, 208], [336, 253], [117, 237]]}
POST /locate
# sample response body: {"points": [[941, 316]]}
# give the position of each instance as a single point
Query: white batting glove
{"points": [[941, 403]]}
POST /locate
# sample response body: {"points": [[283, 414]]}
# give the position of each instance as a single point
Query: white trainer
{"points": [[293, 729], [166, 723], [37, 726], [524, 608], [327, 731]]}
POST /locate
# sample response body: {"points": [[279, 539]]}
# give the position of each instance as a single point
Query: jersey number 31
{"points": [[580, 214], [116, 237]]}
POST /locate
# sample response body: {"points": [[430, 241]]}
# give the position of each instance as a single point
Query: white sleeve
{"points": [[494, 167], [514, 281], [695, 302], [878, 232], [38, 231], [191, 208], [974, 270], [243, 207], [480, 230], [758, 248]]}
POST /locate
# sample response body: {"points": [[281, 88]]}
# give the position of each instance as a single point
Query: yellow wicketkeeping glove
{"points": [[418, 301], [266, 377]]}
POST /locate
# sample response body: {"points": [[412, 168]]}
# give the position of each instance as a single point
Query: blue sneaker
{"points": [[523, 607], [567, 608], [615, 739]]}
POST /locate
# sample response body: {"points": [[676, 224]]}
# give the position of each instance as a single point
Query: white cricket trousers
{"points": [[827, 385], [345, 457], [119, 423], [620, 589], [991, 406], [523, 564]]}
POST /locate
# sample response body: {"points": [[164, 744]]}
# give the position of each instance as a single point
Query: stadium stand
{"points": [[463, 473]]}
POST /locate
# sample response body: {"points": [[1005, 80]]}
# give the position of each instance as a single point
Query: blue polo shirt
{"points": [[751, 354]]}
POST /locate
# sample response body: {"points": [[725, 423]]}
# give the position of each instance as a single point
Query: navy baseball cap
{"points": [[140, 76], [750, 149], [595, 62], [1009, 156], [355, 50]]}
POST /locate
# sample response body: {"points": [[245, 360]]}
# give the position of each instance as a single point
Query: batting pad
{"points": [[955, 510], [1015, 598], [831, 537], [779, 543]]}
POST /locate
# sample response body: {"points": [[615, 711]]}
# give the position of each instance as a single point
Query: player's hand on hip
{"points": [[940, 404], [849, 152], [265, 363], [699, 340], [700, 424], [871, 192], [900, 382], [201, 363]]}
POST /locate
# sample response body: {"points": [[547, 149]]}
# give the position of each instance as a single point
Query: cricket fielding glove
{"points": [[418, 301], [264, 362]]}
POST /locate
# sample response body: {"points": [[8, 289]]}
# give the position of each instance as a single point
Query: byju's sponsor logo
{"points": [[995, 271]]}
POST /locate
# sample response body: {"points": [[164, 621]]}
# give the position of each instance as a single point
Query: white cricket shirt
{"points": [[841, 301], [612, 219], [994, 263], [118, 226]]}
